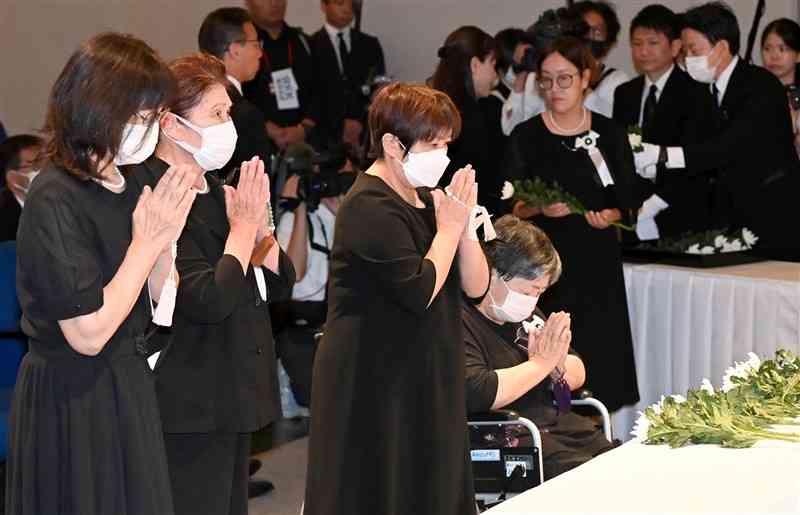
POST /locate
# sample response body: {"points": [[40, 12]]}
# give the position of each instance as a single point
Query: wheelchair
{"points": [[501, 466]]}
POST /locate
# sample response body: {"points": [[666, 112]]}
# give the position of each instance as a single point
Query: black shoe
{"points": [[254, 466], [258, 488]]}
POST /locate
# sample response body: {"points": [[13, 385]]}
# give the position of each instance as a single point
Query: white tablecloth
{"points": [[637, 478], [691, 323]]}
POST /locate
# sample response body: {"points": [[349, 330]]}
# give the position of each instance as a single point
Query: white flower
{"points": [[680, 399], [742, 370], [749, 238], [587, 141], [707, 250], [694, 249], [507, 191], [641, 427], [706, 386], [635, 140], [720, 241], [732, 246]]}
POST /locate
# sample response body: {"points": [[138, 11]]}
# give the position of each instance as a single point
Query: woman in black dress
{"points": [[217, 379], [466, 73], [85, 435], [589, 157], [388, 420]]}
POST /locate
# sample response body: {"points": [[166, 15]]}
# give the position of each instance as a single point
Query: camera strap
{"points": [[314, 245]]}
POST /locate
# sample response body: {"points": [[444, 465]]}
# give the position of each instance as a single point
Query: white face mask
{"points": [[699, 69], [217, 144], [425, 168], [138, 143], [20, 188], [517, 306]]}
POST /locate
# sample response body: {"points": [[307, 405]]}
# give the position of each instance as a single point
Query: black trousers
{"points": [[208, 472]]}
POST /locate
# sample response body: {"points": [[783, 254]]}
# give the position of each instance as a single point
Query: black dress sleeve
{"points": [[621, 165], [59, 276], [380, 238], [516, 165], [280, 285], [481, 379]]}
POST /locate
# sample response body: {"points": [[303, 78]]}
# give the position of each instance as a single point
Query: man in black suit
{"points": [[229, 34], [752, 147], [673, 110], [345, 62], [286, 50]]}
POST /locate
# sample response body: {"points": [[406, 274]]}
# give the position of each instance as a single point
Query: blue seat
{"points": [[13, 343]]}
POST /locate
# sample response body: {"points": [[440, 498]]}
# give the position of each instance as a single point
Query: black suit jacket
{"points": [[684, 115], [10, 212], [251, 129], [218, 373], [338, 97], [753, 149]]}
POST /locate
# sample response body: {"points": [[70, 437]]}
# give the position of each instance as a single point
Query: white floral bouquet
{"points": [[755, 396], [635, 138], [718, 241]]}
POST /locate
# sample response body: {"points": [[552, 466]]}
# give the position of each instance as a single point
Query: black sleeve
{"points": [[58, 273], [481, 379], [207, 292], [309, 90], [380, 239], [280, 285], [515, 165], [623, 169]]}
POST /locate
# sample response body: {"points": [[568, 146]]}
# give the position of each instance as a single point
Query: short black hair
{"points": [[604, 9], [221, 28], [506, 42], [788, 30], [659, 18], [716, 21], [10, 150]]}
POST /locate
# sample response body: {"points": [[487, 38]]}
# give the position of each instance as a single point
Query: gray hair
{"points": [[522, 250]]}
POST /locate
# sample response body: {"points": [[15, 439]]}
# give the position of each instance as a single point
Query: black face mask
{"points": [[598, 48]]}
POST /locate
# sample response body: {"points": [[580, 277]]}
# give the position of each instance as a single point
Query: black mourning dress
{"points": [[388, 422], [592, 286], [85, 435]]}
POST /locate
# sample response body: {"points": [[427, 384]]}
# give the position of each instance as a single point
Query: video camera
{"points": [[552, 24], [319, 173]]}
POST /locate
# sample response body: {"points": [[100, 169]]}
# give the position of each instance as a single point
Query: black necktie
{"points": [[649, 112], [344, 55], [715, 92], [717, 106]]}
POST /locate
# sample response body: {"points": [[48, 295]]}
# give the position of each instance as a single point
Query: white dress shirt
{"points": [[333, 33], [312, 286], [236, 84]]}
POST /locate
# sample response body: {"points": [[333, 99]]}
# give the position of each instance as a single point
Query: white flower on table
{"points": [[635, 140], [507, 192], [706, 386], [680, 399], [693, 249], [720, 241], [708, 249], [749, 238], [641, 427], [733, 246], [742, 370]]}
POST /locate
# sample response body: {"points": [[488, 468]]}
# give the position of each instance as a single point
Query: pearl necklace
{"points": [[567, 131]]}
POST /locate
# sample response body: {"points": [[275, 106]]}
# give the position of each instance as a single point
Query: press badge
{"points": [[285, 89]]}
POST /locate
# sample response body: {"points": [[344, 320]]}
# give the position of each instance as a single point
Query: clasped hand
{"points": [[454, 207], [247, 203], [550, 345]]}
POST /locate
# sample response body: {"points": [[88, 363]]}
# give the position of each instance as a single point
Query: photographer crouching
{"points": [[315, 185]]}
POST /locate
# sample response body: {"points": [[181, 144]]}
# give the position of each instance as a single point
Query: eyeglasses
{"points": [[564, 81]]}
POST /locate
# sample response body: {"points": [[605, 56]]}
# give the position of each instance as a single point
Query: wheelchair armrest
{"points": [[500, 415], [581, 394]]}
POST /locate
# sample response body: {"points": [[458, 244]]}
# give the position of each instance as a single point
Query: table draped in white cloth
{"points": [[638, 478], [690, 323]]}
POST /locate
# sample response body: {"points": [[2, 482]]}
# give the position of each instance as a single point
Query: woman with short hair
{"points": [[388, 413]]}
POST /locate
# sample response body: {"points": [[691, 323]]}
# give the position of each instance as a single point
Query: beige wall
{"points": [[37, 36]]}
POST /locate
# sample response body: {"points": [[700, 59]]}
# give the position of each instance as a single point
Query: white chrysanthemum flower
{"points": [[694, 249], [507, 191], [720, 241], [707, 250], [635, 140], [732, 246], [749, 238], [641, 428], [742, 370], [706, 386], [754, 361], [680, 399]]}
